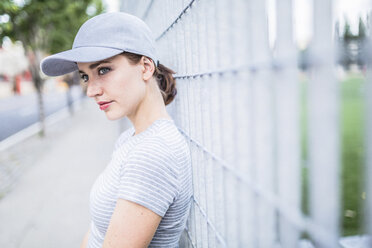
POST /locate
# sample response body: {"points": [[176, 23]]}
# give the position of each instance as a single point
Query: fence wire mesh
{"points": [[239, 106]]}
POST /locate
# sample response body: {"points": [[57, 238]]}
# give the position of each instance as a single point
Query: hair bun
{"points": [[166, 83]]}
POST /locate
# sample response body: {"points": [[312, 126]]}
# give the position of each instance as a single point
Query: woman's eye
{"points": [[103, 70], [84, 77]]}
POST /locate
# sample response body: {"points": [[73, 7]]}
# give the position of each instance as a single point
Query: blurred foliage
{"points": [[46, 25], [352, 114], [351, 48], [347, 34], [361, 29]]}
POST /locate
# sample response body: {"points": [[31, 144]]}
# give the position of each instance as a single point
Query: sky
{"points": [[112, 5], [351, 9], [303, 17]]}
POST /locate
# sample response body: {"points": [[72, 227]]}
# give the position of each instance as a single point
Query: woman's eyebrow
{"points": [[92, 66]]}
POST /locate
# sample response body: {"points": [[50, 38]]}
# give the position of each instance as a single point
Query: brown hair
{"points": [[162, 74]]}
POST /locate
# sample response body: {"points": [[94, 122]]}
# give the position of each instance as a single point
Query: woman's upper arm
{"points": [[131, 225], [147, 187], [84, 243]]}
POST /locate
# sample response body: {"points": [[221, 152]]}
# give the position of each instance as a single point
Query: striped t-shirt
{"points": [[153, 169]]}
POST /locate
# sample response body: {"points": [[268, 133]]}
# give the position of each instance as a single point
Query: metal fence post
{"points": [[287, 104], [324, 151]]}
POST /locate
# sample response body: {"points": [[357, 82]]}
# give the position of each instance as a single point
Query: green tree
{"points": [[361, 41], [348, 35], [44, 26], [362, 29]]}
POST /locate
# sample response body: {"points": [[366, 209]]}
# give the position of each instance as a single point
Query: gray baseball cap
{"points": [[102, 37]]}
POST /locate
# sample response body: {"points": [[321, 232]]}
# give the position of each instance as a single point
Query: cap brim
{"points": [[65, 62]]}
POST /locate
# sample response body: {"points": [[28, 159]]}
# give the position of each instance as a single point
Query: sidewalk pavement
{"points": [[48, 206]]}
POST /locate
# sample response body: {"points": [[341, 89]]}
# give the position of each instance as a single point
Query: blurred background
{"points": [[273, 98]]}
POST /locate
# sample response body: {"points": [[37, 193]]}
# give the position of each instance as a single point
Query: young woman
{"points": [[143, 196]]}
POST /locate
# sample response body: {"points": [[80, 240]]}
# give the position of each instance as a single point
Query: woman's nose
{"points": [[94, 89]]}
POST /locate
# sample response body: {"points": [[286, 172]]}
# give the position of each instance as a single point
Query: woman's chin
{"points": [[112, 116]]}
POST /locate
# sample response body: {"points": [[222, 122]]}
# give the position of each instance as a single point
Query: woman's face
{"points": [[116, 85]]}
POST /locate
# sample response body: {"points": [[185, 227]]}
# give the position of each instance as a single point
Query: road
{"points": [[19, 112]]}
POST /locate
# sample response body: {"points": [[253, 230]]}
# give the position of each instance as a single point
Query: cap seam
{"points": [[97, 46]]}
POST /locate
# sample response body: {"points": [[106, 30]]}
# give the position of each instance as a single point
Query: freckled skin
{"points": [[122, 84], [132, 88]]}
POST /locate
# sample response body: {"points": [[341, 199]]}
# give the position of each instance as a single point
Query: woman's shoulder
{"points": [[154, 146], [163, 140], [152, 155], [123, 137]]}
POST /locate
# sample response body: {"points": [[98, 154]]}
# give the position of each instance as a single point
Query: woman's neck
{"points": [[151, 108]]}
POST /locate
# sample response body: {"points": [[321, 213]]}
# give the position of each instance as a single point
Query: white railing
{"points": [[239, 107]]}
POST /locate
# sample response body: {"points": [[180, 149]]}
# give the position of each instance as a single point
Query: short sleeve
{"points": [[148, 176]]}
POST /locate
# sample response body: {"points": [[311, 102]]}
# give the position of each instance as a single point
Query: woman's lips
{"points": [[104, 105]]}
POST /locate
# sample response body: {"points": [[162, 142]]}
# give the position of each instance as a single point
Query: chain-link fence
{"points": [[264, 173]]}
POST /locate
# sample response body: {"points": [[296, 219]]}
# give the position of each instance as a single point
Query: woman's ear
{"points": [[148, 68]]}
